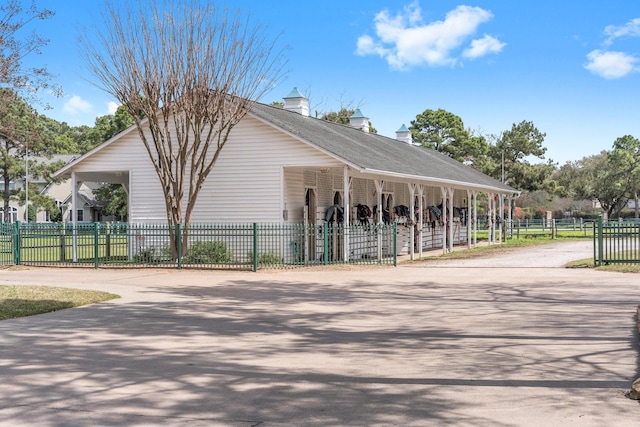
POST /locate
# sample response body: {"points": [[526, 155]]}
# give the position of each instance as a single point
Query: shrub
{"points": [[518, 213], [208, 253], [266, 258], [145, 255]]}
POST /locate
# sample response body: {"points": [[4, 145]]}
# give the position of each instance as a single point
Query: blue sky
{"points": [[570, 66]]}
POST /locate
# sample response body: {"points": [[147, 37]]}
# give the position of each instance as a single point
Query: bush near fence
{"points": [[230, 246]]}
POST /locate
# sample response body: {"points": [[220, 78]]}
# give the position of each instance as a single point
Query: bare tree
{"points": [[15, 46], [188, 72]]}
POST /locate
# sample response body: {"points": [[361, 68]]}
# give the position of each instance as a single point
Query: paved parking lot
{"points": [[488, 342]]}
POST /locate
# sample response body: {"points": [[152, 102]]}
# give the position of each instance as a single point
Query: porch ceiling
{"points": [[113, 177]]}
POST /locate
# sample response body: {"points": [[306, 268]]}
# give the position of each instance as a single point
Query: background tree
{"points": [[342, 116], [194, 71], [16, 131], [443, 131], [625, 159], [511, 152], [114, 199], [112, 124], [15, 17], [593, 178]]}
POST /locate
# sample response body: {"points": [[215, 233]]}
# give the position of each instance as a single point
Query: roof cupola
{"points": [[296, 102], [359, 121], [404, 135]]}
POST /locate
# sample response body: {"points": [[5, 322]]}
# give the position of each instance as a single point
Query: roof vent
{"points": [[359, 121], [404, 135], [296, 102]]}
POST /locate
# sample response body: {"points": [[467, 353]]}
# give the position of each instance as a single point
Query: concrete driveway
{"points": [[451, 343]]}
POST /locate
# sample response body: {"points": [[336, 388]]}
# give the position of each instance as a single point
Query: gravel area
{"points": [[540, 256]]}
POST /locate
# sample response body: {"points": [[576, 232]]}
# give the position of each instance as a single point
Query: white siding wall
{"points": [[294, 194], [129, 154], [244, 186]]}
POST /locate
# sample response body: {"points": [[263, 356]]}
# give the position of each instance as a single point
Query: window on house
{"points": [[13, 214], [80, 215]]}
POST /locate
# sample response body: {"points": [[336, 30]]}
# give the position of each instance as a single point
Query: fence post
{"points": [[16, 243], [395, 243], [179, 244], [63, 242], [554, 230], [255, 247], [600, 240], [107, 242], [96, 248], [325, 237]]}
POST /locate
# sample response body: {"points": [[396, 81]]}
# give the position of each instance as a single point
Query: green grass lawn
{"points": [[619, 267], [21, 301]]}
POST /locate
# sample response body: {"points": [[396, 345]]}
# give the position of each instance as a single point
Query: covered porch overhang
{"points": [[417, 186], [77, 178]]}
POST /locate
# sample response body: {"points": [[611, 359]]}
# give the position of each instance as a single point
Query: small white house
{"points": [[282, 166], [57, 191]]}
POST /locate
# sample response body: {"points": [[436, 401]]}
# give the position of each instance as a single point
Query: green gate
{"points": [[616, 242]]}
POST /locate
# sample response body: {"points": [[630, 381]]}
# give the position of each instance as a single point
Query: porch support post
{"points": [[450, 191], [469, 222], [444, 193], [420, 216], [510, 213], [475, 217], [346, 223], [501, 222], [379, 187], [491, 218], [74, 214], [412, 233]]}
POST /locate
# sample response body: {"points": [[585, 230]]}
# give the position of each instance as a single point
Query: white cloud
{"points": [[630, 29], [610, 64], [112, 107], [405, 40], [483, 46], [76, 105], [614, 64]]}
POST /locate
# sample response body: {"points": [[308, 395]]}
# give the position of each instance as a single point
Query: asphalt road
{"points": [[508, 341]]}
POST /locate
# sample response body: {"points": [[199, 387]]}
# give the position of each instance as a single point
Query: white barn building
{"points": [[282, 166]]}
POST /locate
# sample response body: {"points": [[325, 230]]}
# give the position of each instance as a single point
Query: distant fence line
{"points": [[220, 246], [569, 227]]}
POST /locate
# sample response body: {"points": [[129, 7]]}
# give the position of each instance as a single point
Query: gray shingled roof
{"points": [[376, 153]]}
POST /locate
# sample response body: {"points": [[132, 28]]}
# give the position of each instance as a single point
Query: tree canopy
{"points": [[342, 116], [20, 132], [443, 131], [625, 158], [15, 18], [511, 154]]}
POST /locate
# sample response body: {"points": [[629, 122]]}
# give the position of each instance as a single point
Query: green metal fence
{"points": [[7, 255], [616, 242], [219, 246], [528, 228]]}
